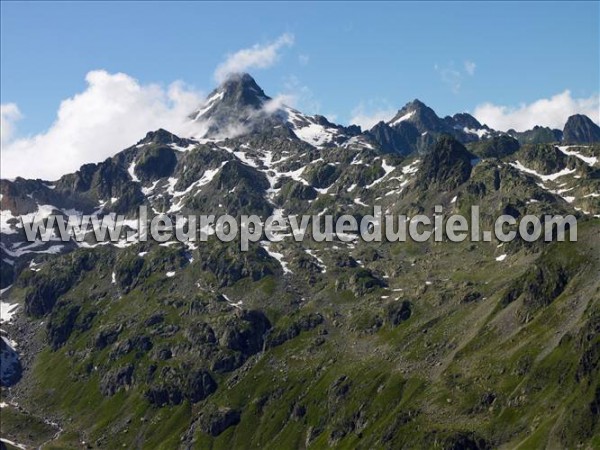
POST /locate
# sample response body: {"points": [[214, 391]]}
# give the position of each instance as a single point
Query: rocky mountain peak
{"points": [[580, 129], [160, 136], [238, 103], [242, 90], [420, 115], [465, 120], [416, 104]]}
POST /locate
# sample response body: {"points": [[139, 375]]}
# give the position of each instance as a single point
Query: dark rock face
{"points": [[6, 273], [230, 266], [414, 128], [447, 166], [10, 365], [544, 158], [465, 441], [46, 286], [323, 176], [200, 385], [20, 195], [117, 380], [174, 384], [364, 281], [107, 336], [539, 286], [214, 422], [155, 162], [245, 333], [93, 183], [401, 139], [303, 323], [248, 184], [580, 129], [496, 147], [226, 361], [589, 362], [141, 344], [200, 333], [61, 323], [398, 312]]}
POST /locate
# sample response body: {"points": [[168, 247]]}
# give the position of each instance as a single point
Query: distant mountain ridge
{"points": [[240, 105]]}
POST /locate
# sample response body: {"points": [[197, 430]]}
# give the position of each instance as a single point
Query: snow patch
{"points": [[277, 256], [237, 305], [589, 160], [131, 171], [387, 170], [480, 133], [320, 262], [551, 177], [402, 118]]}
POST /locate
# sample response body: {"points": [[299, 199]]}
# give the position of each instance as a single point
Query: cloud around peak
{"points": [[258, 56]]}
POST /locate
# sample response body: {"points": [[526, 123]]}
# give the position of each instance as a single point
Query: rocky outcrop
{"points": [[537, 135], [306, 322], [174, 384], [580, 129], [10, 364], [118, 379], [398, 312], [447, 166], [215, 421]]}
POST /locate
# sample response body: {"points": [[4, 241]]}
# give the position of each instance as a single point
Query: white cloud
{"points": [[112, 113], [470, 67], [550, 112], [278, 102], [9, 116], [257, 56], [367, 119]]}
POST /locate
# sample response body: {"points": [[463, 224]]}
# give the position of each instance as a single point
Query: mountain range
{"points": [[308, 344]]}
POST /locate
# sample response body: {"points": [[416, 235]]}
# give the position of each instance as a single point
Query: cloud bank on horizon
{"points": [[115, 111], [550, 112], [112, 113]]}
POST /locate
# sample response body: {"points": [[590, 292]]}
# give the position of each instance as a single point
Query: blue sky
{"points": [[347, 59], [357, 52]]}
